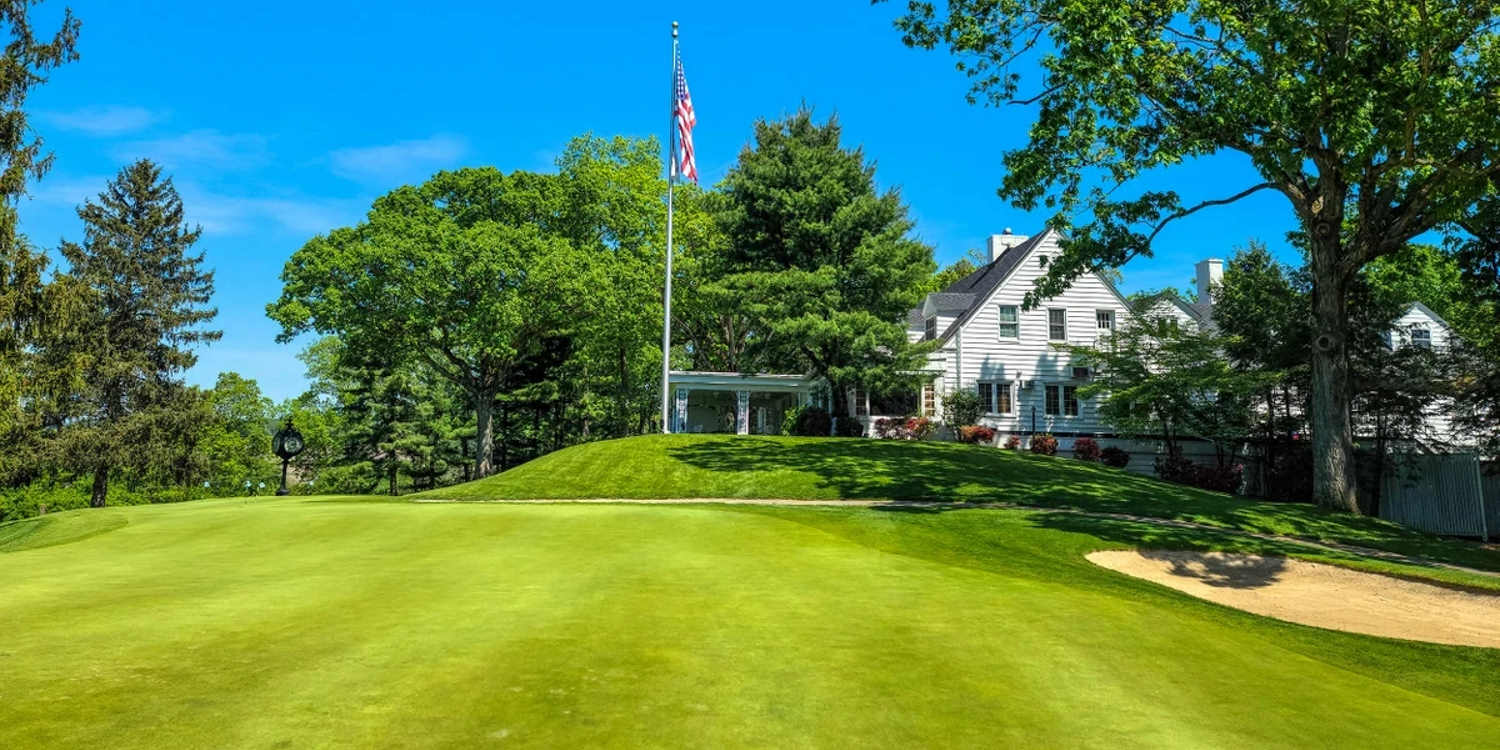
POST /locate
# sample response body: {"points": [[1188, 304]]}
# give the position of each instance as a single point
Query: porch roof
{"points": [[738, 381]]}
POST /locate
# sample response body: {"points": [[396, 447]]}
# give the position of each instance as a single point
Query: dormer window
{"points": [[931, 327], [1421, 337]]}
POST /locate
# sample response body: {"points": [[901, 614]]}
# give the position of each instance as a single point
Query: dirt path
{"points": [[1316, 544], [1324, 596]]}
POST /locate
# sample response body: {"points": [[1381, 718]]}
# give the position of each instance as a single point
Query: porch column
{"points": [[679, 414], [742, 413]]}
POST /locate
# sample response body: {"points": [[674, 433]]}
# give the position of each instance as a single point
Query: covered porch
{"points": [[732, 403]]}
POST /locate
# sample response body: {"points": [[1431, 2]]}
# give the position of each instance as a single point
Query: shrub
{"points": [[1086, 449], [904, 428], [976, 434], [962, 408], [1181, 470], [1045, 445], [848, 427], [1013, 443], [807, 421], [1115, 457]]}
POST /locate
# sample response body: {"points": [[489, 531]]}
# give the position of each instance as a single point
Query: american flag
{"points": [[682, 113]]}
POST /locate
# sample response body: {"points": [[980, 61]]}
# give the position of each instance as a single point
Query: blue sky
{"points": [[281, 120]]}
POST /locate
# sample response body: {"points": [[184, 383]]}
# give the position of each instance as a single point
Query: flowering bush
{"points": [[976, 434], [919, 428], [904, 428], [1115, 457], [1013, 443], [1086, 449], [1045, 445]]}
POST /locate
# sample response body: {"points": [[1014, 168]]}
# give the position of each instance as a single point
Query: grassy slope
{"points": [[675, 466], [309, 622]]}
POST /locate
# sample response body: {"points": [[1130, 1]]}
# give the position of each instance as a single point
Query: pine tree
{"points": [[23, 297], [823, 260], [152, 296]]}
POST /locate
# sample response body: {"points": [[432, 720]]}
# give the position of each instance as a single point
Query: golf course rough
{"points": [[333, 622]]}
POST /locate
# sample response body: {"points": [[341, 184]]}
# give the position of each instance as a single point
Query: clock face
{"points": [[292, 444]]}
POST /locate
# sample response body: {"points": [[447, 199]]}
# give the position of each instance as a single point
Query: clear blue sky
{"points": [[282, 120]]}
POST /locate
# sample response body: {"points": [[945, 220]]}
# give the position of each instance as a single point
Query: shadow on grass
{"points": [[897, 470]]}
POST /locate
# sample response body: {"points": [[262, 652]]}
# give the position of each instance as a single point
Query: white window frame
{"points": [[1064, 312], [1102, 315], [1010, 398], [1077, 403], [1426, 332], [1001, 323], [1047, 390]]}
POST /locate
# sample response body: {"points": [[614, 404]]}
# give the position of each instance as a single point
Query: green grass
{"points": [[315, 622], [704, 466]]}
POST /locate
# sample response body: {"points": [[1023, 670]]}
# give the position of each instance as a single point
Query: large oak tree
{"points": [[1375, 119]]}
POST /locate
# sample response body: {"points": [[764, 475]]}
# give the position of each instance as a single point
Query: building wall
{"points": [[980, 354]]}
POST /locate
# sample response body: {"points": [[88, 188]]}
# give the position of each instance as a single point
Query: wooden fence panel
{"points": [[1442, 494]]}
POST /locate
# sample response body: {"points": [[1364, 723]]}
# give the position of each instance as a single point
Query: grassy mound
{"points": [[706, 466], [310, 623]]}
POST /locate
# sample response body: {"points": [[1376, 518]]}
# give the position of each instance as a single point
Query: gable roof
{"points": [[1142, 305], [1429, 313], [974, 289]]}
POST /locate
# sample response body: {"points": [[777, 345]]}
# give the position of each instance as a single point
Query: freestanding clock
{"points": [[286, 444]]}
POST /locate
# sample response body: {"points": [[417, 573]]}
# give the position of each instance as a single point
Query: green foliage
{"points": [[807, 421], [962, 408], [24, 294], [1154, 377], [819, 260], [149, 297], [1115, 457]]}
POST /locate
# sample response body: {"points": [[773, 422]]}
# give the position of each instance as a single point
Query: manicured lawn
{"points": [[701, 466], [332, 622]]}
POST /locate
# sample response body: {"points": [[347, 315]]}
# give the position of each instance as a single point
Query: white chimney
{"points": [[999, 243], [1210, 275]]}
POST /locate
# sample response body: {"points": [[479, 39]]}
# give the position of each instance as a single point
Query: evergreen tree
{"points": [[822, 260], [24, 60], [151, 299]]}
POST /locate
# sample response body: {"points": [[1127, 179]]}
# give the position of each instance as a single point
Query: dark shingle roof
{"points": [[976, 287]]}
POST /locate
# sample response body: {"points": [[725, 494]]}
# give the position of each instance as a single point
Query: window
{"points": [[1010, 322], [1070, 400], [929, 399], [1105, 319], [931, 328], [1051, 403], [861, 401], [995, 398], [1080, 373], [1421, 337], [1057, 324]]}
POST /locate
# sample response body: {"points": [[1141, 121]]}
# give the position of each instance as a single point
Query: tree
{"points": [[822, 261], [151, 296], [1155, 377], [23, 305], [466, 273], [1374, 120]]}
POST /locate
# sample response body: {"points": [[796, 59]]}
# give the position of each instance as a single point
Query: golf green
{"points": [[333, 622]]}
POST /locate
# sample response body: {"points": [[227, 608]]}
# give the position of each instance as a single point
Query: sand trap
{"points": [[1324, 596]]}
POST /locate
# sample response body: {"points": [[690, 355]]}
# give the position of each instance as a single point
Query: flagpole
{"points": [[666, 327]]}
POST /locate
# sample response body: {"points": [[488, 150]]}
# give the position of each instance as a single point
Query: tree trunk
{"points": [[101, 487], [1332, 431], [394, 490], [484, 435]]}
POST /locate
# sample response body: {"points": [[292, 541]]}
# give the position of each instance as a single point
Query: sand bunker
{"points": [[1324, 596]]}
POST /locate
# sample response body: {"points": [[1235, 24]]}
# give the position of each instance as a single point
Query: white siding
{"points": [[979, 354]]}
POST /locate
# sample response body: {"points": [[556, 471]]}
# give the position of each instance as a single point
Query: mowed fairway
{"points": [[316, 622]]}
